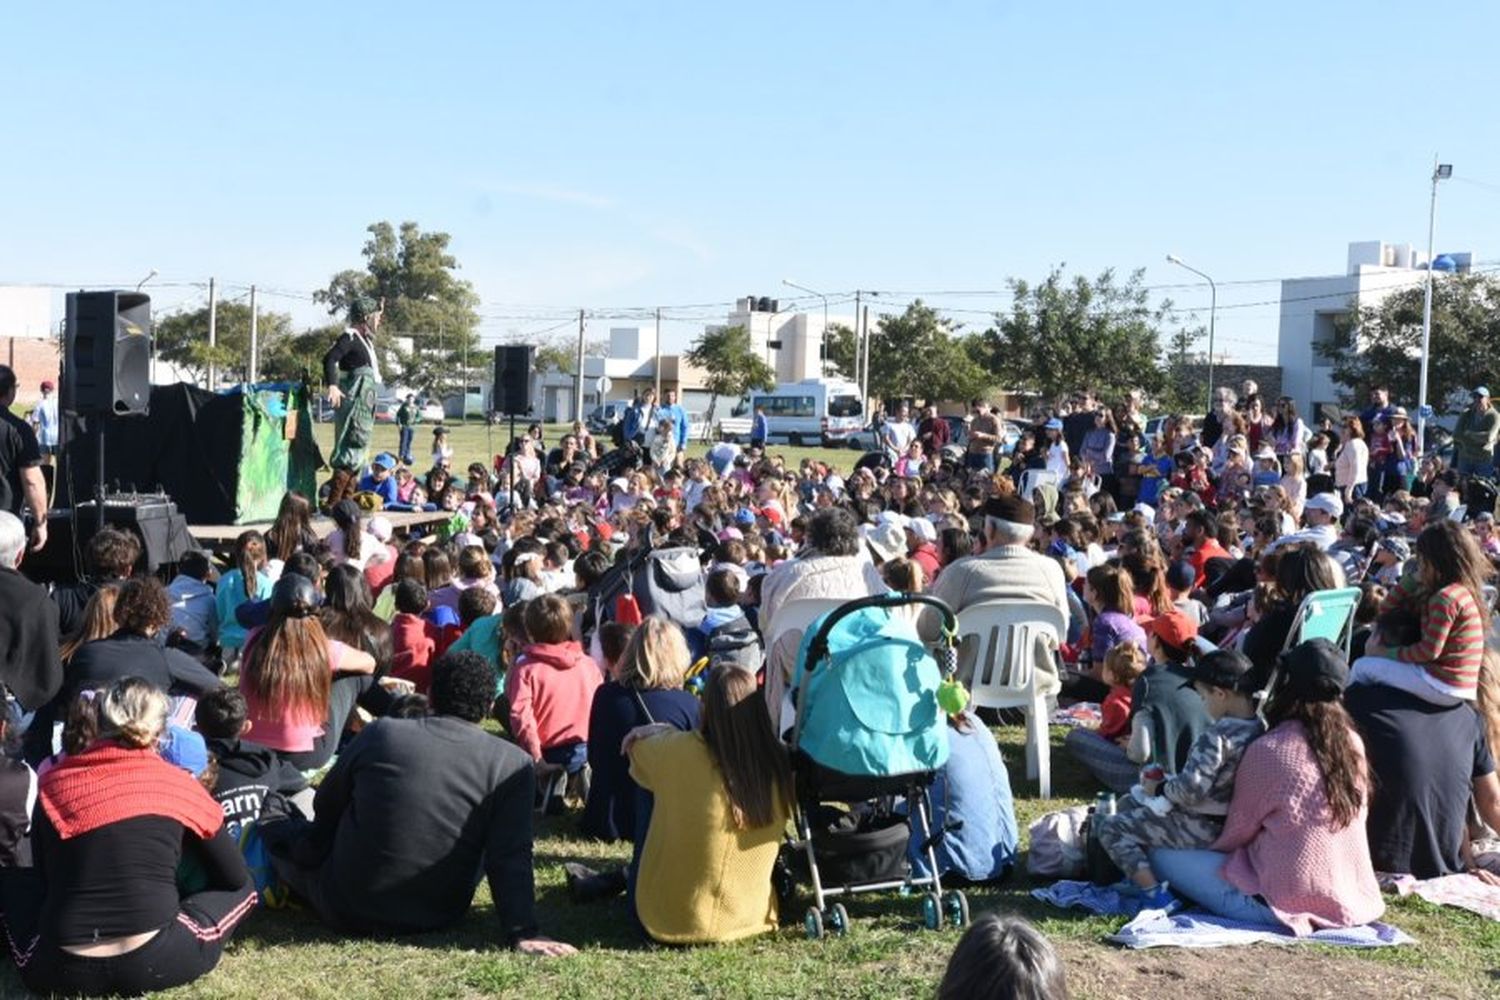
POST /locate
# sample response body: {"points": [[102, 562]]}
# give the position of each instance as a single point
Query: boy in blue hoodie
{"points": [[725, 635]]}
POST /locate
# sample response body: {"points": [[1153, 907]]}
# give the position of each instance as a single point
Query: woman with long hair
{"points": [[292, 530], [294, 705], [349, 541], [347, 615], [113, 822], [1148, 577], [722, 798], [1294, 852], [98, 621], [1351, 463], [1287, 430], [1300, 570], [247, 579]]}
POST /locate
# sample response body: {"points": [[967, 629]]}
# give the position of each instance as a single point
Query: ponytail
{"points": [[249, 555]]}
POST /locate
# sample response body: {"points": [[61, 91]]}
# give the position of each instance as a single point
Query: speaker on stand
{"points": [[512, 394]]}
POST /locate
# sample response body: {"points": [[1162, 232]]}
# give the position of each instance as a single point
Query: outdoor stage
{"points": [[219, 536]]}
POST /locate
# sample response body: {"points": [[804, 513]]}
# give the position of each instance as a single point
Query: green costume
{"points": [[351, 365]]}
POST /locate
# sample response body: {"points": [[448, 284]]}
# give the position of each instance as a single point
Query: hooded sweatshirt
{"points": [[248, 772], [550, 691], [413, 646]]}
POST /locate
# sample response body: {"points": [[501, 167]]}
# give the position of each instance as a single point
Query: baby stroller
{"points": [[868, 726]]}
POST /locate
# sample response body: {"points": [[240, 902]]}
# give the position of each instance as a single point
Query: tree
{"points": [[560, 354], [1185, 386], [733, 368], [1062, 335], [413, 272], [917, 353], [1382, 344], [182, 339]]}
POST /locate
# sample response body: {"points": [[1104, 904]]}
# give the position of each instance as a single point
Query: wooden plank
{"points": [[219, 534]]}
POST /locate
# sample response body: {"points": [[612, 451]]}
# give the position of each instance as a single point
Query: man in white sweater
{"points": [[1005, 571]]}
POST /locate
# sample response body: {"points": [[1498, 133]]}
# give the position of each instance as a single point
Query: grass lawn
{"points": [[887, 954]]}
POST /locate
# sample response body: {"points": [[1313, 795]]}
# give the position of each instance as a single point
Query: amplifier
{"points": [[151, 517]]}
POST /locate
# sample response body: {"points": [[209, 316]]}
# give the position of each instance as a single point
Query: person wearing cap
{"points": [[1402, 452], [886, 540], [1007, 570], [412, 814], [351, 371], [1056, 448], [380, 481], [44, 421], [1187, 809], [1293, 854], [1474, 436], [921, 547], [1321, 514]]}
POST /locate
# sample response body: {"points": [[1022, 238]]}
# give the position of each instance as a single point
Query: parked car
{"points": [[385, 411], [606, 415], [432, 412]]}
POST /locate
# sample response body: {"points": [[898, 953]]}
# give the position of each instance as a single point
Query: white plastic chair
{"points": [[790, 622], [1014, 640], [1032, 478]]}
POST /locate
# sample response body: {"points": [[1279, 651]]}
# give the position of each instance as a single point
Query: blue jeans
{"points": [[572, 756], [980, 460], [1484, 467], [403, 451], [1199, 875]]}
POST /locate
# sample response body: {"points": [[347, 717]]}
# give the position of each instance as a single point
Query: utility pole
{"points": [[213, 333], [864, 322], [254, 372], [578, 379], [658, 355], [1440, 171], [857, 345]]}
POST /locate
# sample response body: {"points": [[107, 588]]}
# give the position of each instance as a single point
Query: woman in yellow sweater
{"points": [[722, 801]]}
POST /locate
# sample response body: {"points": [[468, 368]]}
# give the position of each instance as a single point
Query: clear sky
{"points": [[682, 154]]}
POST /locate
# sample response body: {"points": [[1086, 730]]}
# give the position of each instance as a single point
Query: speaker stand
{"points": [[99, 483], [510, 461]]}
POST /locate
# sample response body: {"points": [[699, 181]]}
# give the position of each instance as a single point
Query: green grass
{"points": [[288, 954]]}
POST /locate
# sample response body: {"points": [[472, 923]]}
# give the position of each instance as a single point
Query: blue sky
{"points": [[620, 155]]}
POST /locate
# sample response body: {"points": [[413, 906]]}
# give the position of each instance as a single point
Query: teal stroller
{"points": [[869, 731]]}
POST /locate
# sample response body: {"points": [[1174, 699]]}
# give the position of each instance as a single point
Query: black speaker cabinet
{"points": [[513, 364], [107, 354]]}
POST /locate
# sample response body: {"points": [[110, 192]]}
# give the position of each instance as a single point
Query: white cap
{"points": [[1147, 511], [922, 528], [1328, 503]]}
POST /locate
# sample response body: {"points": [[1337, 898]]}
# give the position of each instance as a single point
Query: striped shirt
{"points": [[1452, 643]]}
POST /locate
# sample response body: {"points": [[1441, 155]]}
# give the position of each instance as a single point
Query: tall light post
{"points": [[1213, 308], [1440, 172], [822, 340]]}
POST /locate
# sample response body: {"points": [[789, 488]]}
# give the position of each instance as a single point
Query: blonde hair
{"points": [[656, 658], [1124, 663], [133, 713], [1293, 465]]}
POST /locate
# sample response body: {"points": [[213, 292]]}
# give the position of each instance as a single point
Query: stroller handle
{"points": [[818, 648]]}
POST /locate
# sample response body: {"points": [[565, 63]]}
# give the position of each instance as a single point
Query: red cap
{"points": [[48, 385], [1173, 628]]}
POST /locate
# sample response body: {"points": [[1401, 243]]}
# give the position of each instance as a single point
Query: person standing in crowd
{"points": [[760, 428], [351, 371], [1098, 450], [408, 416], [1288, 433], [640, 417], [22, 487], [671, 410], [933, 432], [897, 434], [1217, 419], [412, 813], [1474, 436], [1351, 463], [984, 438], [44, 421], [1078, 421]]}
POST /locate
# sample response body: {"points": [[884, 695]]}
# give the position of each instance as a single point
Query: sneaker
{"points": [[1159, 898]]}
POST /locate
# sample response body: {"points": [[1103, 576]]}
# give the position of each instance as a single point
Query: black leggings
{"points": [[181, 952], [347, 691]]}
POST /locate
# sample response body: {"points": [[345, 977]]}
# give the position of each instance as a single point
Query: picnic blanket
{"points": [[1464, 891], [1198, 929], [1156, 929]]}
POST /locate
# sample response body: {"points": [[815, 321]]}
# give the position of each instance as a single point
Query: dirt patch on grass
{"points": [[1235, 973]]}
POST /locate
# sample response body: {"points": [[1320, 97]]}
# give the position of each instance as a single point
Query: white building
{"points": [[799, 334], [1310, 307], [26, 311]]}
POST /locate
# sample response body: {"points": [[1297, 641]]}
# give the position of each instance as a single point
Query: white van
{"points": [[813, 411]]}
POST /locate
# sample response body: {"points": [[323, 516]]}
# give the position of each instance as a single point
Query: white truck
{"points": [[823, 411]]}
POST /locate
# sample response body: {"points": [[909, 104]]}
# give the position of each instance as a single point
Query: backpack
{"points": [[735, 644], [1059, 844]]}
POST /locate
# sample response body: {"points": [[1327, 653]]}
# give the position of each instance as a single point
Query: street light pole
{"points": [[1440, 171], [824, 338], [1213, 308]]}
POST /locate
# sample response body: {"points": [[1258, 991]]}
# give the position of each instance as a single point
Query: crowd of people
{"points": [[309, 717]]}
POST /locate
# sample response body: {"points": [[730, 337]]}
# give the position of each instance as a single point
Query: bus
{"points": [[816, 410]]}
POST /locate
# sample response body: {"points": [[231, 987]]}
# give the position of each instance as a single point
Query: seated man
{"points": [[411, 814], [380, 481]]}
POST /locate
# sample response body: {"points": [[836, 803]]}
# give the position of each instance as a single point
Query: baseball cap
{"points": [[1053, 425], [184, 748], [1147, 511], [887, 539], [1223, 668], [1480, 390], [385, 460], [1314, 671], [48, 385], [744, 516], [1328, 503], [1172, 627]]}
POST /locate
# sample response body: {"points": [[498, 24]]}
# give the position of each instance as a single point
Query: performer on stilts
{"points": [[351, 373]]}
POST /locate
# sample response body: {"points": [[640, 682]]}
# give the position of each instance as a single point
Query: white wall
{"points": [[26, 311]]}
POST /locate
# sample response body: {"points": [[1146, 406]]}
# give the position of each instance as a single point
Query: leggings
{"points": [[347, 691], [185, 949]]}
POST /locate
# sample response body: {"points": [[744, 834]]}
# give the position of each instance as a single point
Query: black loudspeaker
{"points": [[107, 356], [513, 363]]}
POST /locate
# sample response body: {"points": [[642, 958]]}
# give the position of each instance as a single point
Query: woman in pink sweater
{"points": [[1293, 853]]}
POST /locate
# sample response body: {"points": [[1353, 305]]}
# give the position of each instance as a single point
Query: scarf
{"points": [[108, 783], [369, 346]]}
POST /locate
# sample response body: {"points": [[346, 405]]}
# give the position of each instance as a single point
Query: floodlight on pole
{"points": [[1440, 172], [1213, 308], [147, 278]]}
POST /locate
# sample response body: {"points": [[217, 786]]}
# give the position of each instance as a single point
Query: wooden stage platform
{"points": [[219, 535]]}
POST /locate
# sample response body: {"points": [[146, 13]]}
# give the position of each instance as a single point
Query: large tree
{"points": [[1067, 333], [182, 339], [424, 301], [1382, 344], [732, 368], [917, 353]]}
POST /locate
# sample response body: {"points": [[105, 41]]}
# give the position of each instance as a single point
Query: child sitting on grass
{"points": [[413, 639], [1123, 665], [1187, 810]]}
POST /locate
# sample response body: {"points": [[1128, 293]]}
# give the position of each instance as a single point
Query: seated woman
{"points": [[141, 611], [722, 798], [113, 824], [972, 791], [296, 706], [1293, 854], [1299, 571]]}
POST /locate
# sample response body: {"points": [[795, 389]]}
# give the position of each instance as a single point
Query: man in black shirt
{"points": [[21, 482], [411, 813], [351, 371]]}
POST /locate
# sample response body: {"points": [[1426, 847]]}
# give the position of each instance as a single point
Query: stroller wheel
{"points": [[958, 908], [812, 924], [932, 911], [838, 919]]}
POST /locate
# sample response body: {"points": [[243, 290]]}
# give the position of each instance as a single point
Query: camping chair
{"points": [[1016, 639], [791, 621], [1325, 614]]}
